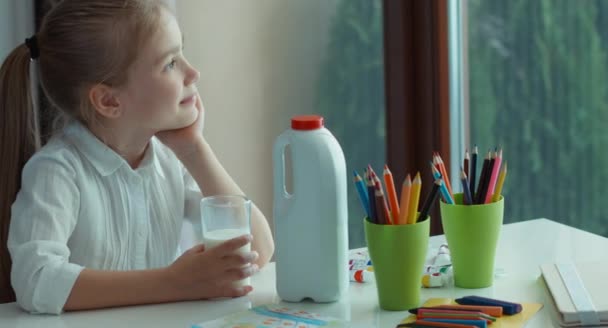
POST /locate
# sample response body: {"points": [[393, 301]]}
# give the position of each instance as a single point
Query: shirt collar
{"points": [[105, 160]]}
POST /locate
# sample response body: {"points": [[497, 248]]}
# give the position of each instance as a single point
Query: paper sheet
{"points": [[273, 316]]}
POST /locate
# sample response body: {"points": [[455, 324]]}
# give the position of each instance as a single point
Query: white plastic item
{"points": [[311, 223]]}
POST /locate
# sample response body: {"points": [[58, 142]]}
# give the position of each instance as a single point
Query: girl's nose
{"points": [[192, 75]]}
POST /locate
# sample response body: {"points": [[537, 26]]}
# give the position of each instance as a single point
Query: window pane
{"points": [[351, 95], [538, 89]]}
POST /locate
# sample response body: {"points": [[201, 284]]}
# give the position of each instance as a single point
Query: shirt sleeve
{"points": [[43, 217]]}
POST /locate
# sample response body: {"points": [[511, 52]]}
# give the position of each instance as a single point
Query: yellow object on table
{"points": [[506, 321]]}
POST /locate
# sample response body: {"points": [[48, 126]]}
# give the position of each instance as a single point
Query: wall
{"points": [[259, 62], [16, 24]]}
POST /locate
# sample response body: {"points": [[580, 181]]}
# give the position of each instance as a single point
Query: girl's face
{"points": [[160, 93]]}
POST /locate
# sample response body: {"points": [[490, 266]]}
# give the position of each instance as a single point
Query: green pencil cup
{"points": [[472, 233], [398, 253]]}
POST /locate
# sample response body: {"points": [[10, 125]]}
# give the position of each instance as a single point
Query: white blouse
{"points": [[82, 205]]}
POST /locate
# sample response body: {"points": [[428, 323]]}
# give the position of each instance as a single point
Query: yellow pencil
{"points": [[405, 200], [501, 181], [414, 199]]}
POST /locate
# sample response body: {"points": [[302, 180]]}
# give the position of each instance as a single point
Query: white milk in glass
{"points": [[216, 237]]}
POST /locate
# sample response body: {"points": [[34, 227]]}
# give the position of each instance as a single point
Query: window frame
{"points": [[417, 89]]}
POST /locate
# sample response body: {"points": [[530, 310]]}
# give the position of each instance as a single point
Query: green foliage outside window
{"points": [[538, 88], [350, 95]]}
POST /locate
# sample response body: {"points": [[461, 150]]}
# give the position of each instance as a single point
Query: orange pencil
{"points": [[414, 199], [391, 194], [405, 199], [426, 323]]}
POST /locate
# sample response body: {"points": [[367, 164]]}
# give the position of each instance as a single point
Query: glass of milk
{"points": [[224, 217]]}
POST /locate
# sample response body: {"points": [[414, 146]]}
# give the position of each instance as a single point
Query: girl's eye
{"points": [[171, 65]]}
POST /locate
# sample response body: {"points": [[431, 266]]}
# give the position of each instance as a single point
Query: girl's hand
{"points": [[201, 274], [183, 141]]}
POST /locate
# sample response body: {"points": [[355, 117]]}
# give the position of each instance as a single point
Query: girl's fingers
{"points": [[196, 249], [240, 259], [241, 273], [232, 245], [239, 291]]}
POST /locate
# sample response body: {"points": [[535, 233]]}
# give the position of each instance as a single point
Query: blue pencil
{"points": [[445, 194], [362, 192], [466, 193], [447, 198]]}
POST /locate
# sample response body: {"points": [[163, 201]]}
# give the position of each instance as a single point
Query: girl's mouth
{"points": [[188, 100]]}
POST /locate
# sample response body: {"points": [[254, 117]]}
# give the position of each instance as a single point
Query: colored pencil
{"points": [[487, 177], [447, 198], [445, 194], [454, 314], [473, 171], [414, 199], [482, 178], [361, 191], [435, 171], [371, 191], [391, 193], [495, 311], [429, 201], [499, 184], [405, 199], [424, 324], [466, 194], [494, 176], [467, 159], [444, 174], [384, 216]]}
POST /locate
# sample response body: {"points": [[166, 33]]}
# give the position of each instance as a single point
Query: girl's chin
{"points": [[186, 118]]}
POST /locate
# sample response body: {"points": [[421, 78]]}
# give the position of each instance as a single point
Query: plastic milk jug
{"points": [[311, 219]]}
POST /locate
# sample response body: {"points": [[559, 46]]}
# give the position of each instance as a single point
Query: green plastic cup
{"points": [[472, 233], [398, 253]]}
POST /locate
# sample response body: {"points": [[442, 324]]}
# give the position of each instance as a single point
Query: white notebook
{"points": [[580, 292]]}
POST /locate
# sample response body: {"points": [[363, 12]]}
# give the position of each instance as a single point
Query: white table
{"points": [[522, 248]]}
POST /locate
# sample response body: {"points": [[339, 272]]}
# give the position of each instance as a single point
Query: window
{"points": [[538, 89], [350, 95]]}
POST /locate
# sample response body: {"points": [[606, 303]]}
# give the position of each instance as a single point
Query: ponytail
{"points": [[19, 139]]}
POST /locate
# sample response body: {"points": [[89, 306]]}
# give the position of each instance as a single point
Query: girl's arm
{"points": [[197, 156], [213, 179], [197, 274]]}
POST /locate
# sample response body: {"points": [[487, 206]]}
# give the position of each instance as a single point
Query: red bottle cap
{"points": [[307, 122]]}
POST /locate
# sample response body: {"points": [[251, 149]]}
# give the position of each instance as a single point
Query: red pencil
{"points": [[384, 216]]}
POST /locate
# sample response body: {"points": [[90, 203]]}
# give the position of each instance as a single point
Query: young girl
{"points": [[98, 213]]}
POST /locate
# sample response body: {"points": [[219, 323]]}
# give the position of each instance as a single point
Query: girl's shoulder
{"points": [[57, 153]]}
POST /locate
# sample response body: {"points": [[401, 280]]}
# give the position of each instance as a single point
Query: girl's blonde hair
{"points": [[81, 43]]}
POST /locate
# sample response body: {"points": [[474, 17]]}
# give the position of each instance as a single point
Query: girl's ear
{"points": [[105, 101]]}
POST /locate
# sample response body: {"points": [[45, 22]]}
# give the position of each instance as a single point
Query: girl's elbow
{"points": [[266, 253]]}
